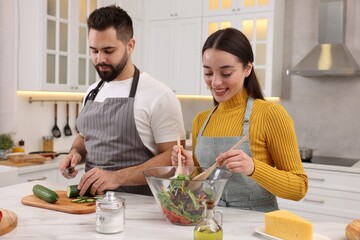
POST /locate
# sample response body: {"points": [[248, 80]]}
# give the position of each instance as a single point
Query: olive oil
{"points": [[209, 228], [206, 235]]}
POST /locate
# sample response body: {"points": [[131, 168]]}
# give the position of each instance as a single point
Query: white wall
{"points": [[325, 110]]}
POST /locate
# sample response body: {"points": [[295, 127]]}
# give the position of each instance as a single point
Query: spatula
{"points": [[179, 168], [205, 174]]}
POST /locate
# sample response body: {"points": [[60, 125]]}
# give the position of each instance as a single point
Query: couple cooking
{"points": [[130, 122]]}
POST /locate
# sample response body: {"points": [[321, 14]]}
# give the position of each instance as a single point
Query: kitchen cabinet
{"points": [[174, 53], [53, 49], [173, 9], [40, 175], [223, 7], [263, 24], [332, 195]]}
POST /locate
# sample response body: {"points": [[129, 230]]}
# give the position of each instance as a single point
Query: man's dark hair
{"points": [[112, 16]]}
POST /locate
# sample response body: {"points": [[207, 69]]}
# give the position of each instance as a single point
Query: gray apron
{"points": [[241, 191], [111, 138]]}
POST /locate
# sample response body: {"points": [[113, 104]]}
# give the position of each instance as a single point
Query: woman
{"points": [[268, 164]]}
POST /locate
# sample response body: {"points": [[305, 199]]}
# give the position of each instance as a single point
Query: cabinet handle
{"points": [[238, 9], [314, 201], [233, 9], [36, 179], [175, 14], [317, 179], [171, 15]]}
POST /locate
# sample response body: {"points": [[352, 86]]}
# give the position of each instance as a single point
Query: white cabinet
{"points": [[40, 175], [263, 24], [53, 50], [174, 53], [166, 9], [223, 7], [332, 196]]}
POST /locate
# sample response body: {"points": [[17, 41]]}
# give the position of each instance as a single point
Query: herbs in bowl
{"points": [[179, 204]]}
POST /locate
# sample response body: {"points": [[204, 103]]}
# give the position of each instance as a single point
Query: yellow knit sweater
{"points": [[273, 143]]}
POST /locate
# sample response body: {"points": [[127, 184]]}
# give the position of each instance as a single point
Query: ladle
{"points": [[55, 130], [67, 129]]}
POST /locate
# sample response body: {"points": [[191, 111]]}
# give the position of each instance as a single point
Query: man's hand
{"points": [[69, 161], [99, 180]]}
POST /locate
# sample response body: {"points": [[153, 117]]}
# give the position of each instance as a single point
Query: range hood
{"points": [[330, 57]]}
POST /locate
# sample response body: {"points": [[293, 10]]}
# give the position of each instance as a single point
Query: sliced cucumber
{"points": [[73, 192], [45, 193]]}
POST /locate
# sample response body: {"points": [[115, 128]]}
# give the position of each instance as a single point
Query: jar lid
{"points": [[111, 199]]}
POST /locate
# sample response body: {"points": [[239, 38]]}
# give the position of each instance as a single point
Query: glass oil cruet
{"points": [[209, 228]]}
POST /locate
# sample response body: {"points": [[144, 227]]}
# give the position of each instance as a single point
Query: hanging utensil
{"points": [[76, 115], [67, 129], [55, 130]]}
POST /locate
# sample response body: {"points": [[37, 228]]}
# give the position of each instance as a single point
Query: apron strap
{"points": [[246, 121], [135, 82], [92, 94]]}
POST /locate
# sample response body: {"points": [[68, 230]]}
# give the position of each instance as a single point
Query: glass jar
{"points": [[48, 143], [110, 213], [209, 228]]}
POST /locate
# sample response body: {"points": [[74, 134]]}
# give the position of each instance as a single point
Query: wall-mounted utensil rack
{"points": [[31, 100]]}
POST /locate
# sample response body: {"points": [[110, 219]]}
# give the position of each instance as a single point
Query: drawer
{"points": [[45, 175], [334, 180], [326, 202]]}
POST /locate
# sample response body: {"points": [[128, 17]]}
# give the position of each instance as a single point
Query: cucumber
{"points": [[45, 193], [73, 192]]}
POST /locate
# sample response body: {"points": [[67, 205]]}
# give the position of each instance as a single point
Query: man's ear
{"points": [[131, 46]]}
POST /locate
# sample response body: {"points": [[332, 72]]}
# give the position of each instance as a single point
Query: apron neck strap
{"points": [[92, 94], [134, 82]]}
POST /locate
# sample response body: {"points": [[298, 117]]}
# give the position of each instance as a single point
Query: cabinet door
{"points": [[59, 53], [160, 57], [170, 9], [159, 9], [224, 7], [175, 54], [42, 175], [187, 56], [260, 29]]}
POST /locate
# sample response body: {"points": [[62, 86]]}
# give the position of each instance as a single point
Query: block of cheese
{"points": [[288, 226]]}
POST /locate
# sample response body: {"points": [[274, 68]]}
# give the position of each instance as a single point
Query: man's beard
{"points": [[111, 74]]}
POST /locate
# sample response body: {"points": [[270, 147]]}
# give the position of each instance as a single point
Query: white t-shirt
{"points": [[158, 115]]}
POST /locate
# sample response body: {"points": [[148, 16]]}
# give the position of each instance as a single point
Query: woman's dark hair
{"points": [[112, 16], [236, 43]]}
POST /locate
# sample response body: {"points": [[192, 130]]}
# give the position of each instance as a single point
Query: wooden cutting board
{"points": [[8, 221], [27, 158], [12, 164], [64, 204]]}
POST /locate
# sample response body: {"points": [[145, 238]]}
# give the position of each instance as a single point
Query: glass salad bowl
{"points": [[181, 199]]}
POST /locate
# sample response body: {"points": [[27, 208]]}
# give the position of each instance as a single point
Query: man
{"points": [[129, 121]]}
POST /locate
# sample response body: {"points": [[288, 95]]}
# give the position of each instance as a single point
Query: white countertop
{"points": [[143, 220]]}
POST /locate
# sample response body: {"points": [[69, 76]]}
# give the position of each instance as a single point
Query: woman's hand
{"points": [[186, 158], [237, 161]]}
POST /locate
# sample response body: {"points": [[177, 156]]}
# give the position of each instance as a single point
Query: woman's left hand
{"points": [[236, 161]]}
